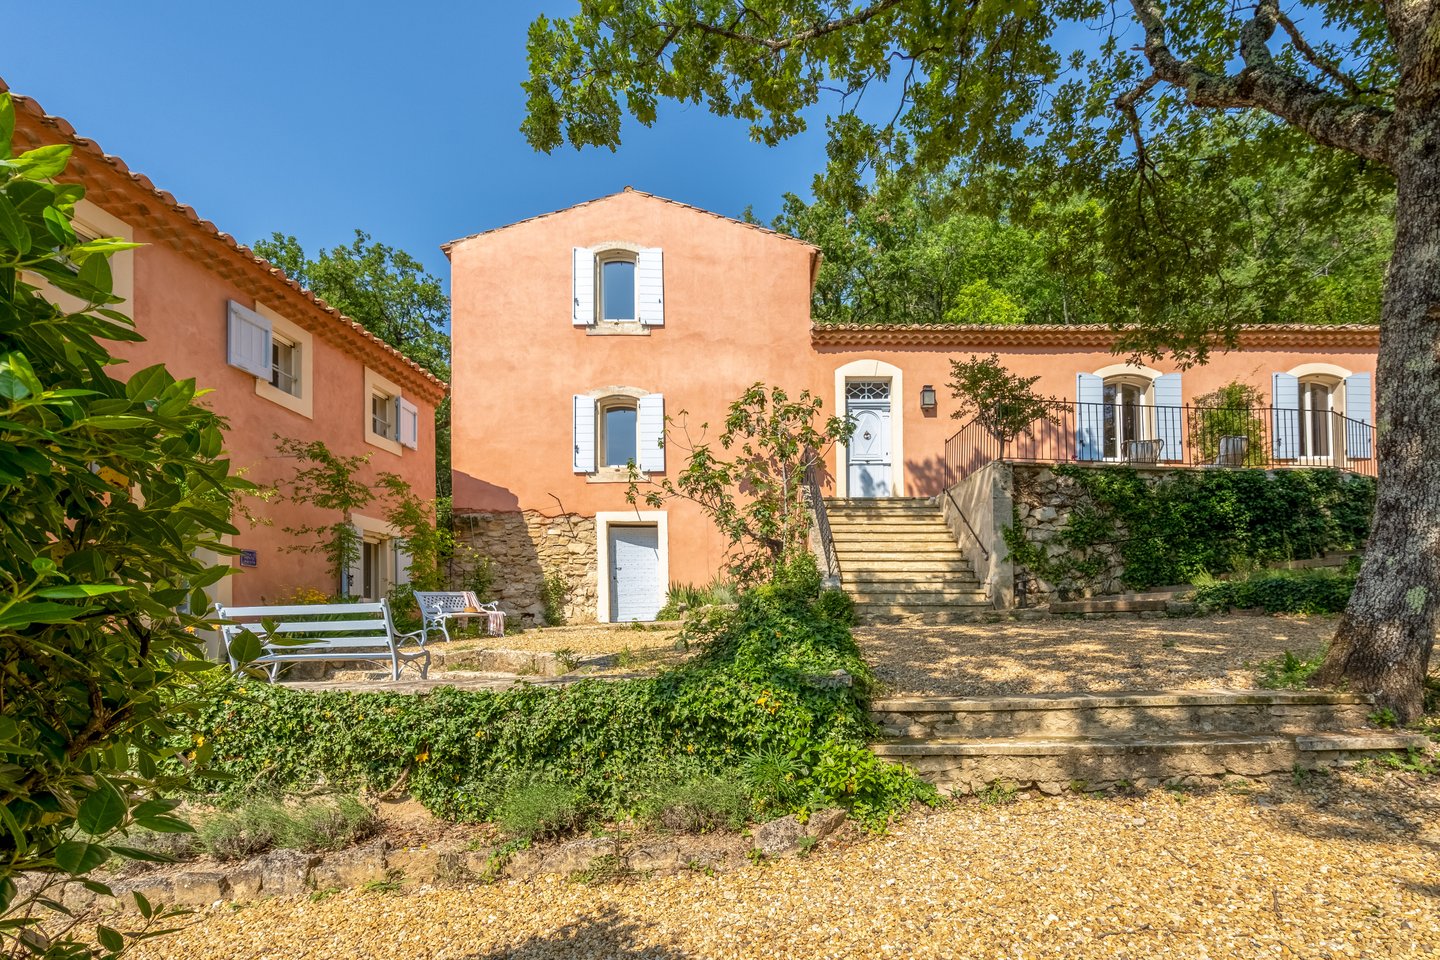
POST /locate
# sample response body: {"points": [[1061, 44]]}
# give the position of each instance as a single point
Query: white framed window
{"points": [[1317, 401], [617, 426], [1125, 417], [618, 287], [380, 563], [290, 382], [1129, 413], [392, 422], [1321, 412]]}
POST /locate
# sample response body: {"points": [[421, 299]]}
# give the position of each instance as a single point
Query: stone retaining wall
{"points": [[1044, 501], [527, 546]]}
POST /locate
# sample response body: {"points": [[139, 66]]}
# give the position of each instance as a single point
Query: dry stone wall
{"points": [[524, 547], [1044, 501]]}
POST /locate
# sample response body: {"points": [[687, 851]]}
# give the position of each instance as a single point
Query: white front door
{"points": [[868, 402], [635, 589]]}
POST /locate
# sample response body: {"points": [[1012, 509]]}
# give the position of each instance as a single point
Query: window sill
{"points": [[301, 404], [610, 475], [384, 443], [618, 328]]}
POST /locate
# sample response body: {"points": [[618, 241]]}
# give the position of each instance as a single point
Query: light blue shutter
{"points": [[650, 421], [650, 287], [1285, 415], [247, 343], [583, 287], [402, 561], [584, 422], [409, 423], [1169, 416], [1089, 416], [1358, 399]]}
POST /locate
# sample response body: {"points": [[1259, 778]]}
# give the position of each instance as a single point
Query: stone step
{"points": [[886, 540], [1054, 764], [911, 598], [880, 612], [1127, 605], [894, 528], [918, 551], [1127, 714], [879, 503], [909, 564]]}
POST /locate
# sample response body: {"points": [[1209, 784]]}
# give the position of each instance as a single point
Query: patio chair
{"points": [[1143, 451], [439, 607], [1233, 451]]}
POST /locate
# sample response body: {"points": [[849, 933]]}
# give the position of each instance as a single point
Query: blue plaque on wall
{"points": [[248, 558]]}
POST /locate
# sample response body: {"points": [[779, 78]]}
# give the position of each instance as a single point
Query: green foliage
{"points": [[684, 596], [388, 292], [1288, 671], [333, 483], [756, 497], [761, 684], [554, 591], [1280, 591], [998, 793], [700, 805], [540, 810], [316, 825], [1384, 717], [1002, 402], [108, 490], [1193, 523], [1234, 410]]}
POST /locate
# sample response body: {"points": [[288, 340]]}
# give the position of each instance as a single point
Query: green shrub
{"points": [[759, 684], [261, 825], [1197, 522], [701, 805], [553, 593], [716, 593], [540, 810], [1280, 591], [1288, 672]]}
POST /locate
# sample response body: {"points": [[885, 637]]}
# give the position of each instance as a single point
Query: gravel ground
{"points": [[581, 639], [1324, 870], [1061, 656]]}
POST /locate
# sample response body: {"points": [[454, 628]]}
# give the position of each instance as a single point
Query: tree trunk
{"points": [[1383, 642]]}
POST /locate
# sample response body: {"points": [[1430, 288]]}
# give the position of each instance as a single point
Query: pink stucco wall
{"points": [[180, 307], [737, 311]]}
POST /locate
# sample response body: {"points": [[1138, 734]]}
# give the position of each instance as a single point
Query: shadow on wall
{"points": [[606, 934], [924, 478]]}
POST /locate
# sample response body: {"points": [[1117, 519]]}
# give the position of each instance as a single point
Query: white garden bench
{"points": [[437, 607], [323, 631]]}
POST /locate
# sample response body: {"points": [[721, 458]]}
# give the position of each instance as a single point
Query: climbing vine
{"points": [[1191, 523]]}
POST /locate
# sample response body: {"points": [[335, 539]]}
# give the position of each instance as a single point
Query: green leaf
{"points": [[24, 614], [102, 811], [59, 226], [77, 857], [7, 125], [109, 938], [95, 273], [75, 591], [42, 163], [245, 647], [147, 384], [12, 228], [17, 377], [143, 905], [163, 824]]}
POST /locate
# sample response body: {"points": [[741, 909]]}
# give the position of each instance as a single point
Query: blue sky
{"points": [[398, 118]]}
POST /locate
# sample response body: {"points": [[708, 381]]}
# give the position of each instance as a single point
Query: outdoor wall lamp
{"points": [[927, 397]]}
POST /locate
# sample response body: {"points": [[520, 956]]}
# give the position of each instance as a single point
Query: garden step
{"points": [[1128, 714], [912, 598], [869, 564], [1115, 605], [919, 551], [880, 612], [1054, 764], [887, 528]]}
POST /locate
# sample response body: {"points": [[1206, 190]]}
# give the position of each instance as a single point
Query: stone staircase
{"points": [[1095, 741], [899, 559]]}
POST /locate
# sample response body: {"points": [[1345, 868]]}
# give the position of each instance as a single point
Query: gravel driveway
{"points": [[1062, 655], [1319, 871]]}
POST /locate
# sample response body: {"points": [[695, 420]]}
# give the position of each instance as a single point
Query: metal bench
{"points": [[438, 607], [322, 631]]}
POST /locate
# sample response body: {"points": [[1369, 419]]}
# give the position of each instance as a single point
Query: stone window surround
{"points": [[375, 383], [613, 250], [611, 474], [627, 518], [873, 370]]}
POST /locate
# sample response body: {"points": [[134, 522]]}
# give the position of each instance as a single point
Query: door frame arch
{"points": [[872, 370]]}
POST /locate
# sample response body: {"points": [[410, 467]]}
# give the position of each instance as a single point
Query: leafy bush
{"points": [[1280, 591], [553, 594], [258, 826], [1288, 672], [540, 810], [761, 683], [1197, 522], [700, 805]]}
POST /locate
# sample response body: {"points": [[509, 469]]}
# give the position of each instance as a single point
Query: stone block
{"points": [[779, 837], [351, 868], [577, 855]]}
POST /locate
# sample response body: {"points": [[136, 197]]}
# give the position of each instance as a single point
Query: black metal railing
{"points": [[815, 500], [1186, 436]]}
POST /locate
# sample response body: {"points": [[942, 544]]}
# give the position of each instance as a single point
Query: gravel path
{"points": [[1055, 656], [1319, 871]]}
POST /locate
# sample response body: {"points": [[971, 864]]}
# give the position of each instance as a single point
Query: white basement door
{"points": [[635, 588]]}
